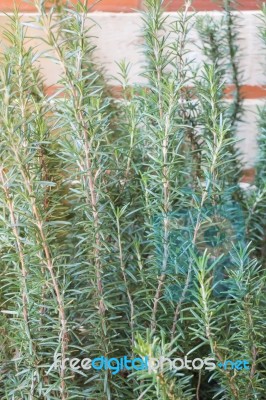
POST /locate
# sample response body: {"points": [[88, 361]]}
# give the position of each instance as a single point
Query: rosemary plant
{"points": [[123, 231], [256, 200], [220, 45], [33, 260]]}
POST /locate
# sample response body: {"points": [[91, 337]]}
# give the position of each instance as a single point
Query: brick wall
{"points": [[209, 5], [129, 5]]}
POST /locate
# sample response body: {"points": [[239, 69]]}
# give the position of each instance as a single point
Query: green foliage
{"points": [[256, 200], [123, 230], [220, 45]]}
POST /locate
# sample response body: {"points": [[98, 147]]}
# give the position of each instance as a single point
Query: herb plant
{"points": [[123, 228]]}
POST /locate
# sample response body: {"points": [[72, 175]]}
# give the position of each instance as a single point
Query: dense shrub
{"points": [[123, 229]]}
